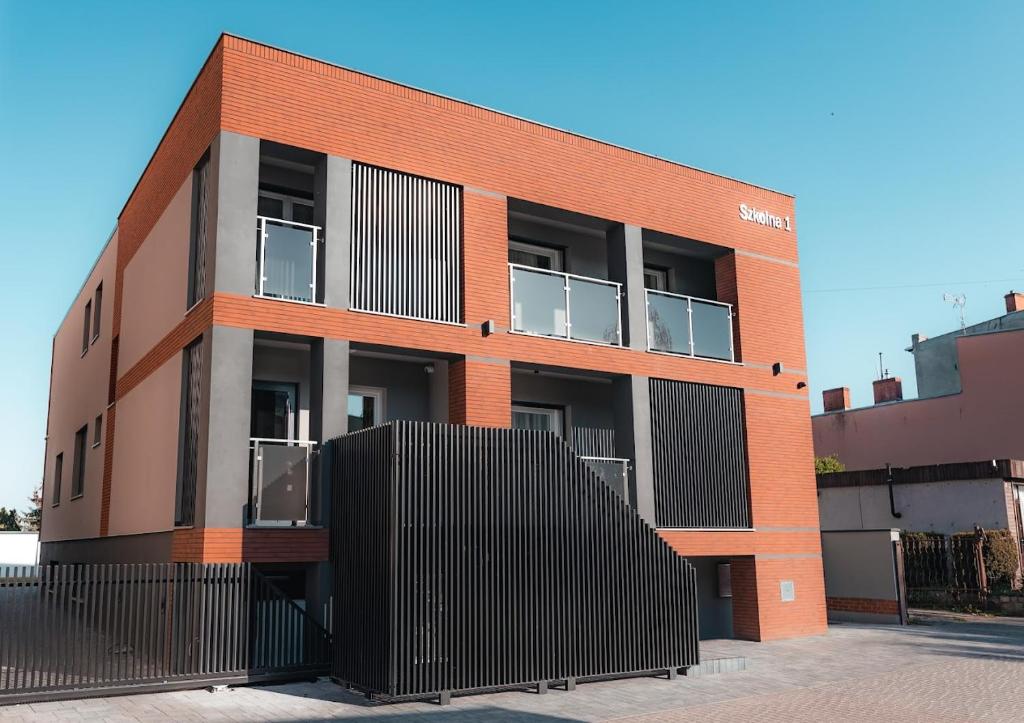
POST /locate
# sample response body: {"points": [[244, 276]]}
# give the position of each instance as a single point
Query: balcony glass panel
{"points": [[613, 472], [281, 481], [712, 330], [594, 310], [538, 302], [288, 261], [668, 323]]}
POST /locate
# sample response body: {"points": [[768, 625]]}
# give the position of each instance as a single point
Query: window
{"points": [[365, 407], [544, 419], [655, 278], [97, 306], [197, 240], [539, 257], [97, 434], [273, 412], [87, 317], [285, 208], [78, 470], [58, 472], [188, 440]]}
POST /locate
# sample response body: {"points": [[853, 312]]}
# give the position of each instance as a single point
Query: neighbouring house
{"points": [[312, 251]]}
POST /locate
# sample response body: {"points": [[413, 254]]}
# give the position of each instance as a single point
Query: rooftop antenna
{"points": [[882, 371], [958, 301]]}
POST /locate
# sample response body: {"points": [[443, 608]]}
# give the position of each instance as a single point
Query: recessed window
{"points": [[86, 319], [535, 255], [58, 472], [365, 407], [97, 431], [97, 306], [655, 279], [78, 470], [543, 419]]}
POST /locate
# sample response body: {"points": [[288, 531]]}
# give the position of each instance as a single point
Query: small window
{"points": [[365, 407], [97, 306], [78, 470], [97, 431], [655, 279], [85, 326], [58, 472], [539, 257], [544, 419]]}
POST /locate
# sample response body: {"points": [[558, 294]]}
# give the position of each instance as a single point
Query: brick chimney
{"points": [[1014, 302], [889, 389], [836, 400]]}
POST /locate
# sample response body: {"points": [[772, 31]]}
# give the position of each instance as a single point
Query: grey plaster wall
{"points": [[585, 254], [334, 215], [226, 488], [686, 275], [235, 160], [714, 613], [632, 397], [626, 264], [943, 507], [152, 547], [407, 385], [587, 403], [860, 564]]}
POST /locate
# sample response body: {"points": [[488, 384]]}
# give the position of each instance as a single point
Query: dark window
{"points": [[86, 318], [273, 414], [58, 472], [97, 431], [197, 241], [78, 470], [97, 306], [188, 445]]}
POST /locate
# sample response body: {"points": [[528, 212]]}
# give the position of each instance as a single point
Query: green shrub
{"points": [[828, 464]]}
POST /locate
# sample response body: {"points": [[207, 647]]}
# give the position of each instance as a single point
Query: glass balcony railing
{"points": [[281, 472], [613, 471], [693, 327], [287, 259], [565, 306]]}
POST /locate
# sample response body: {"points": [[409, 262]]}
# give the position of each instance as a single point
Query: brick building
{"points": [[312, 250]]}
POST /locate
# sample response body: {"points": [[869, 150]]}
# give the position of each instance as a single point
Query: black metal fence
{"points": [[469, 558], [88, 627]]}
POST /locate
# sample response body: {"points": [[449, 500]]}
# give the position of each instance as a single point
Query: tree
{"points": [[33, 515], [9, 520], [828, 464]]}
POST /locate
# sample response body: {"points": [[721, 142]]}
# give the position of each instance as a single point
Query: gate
{"points": [[76, 630]]}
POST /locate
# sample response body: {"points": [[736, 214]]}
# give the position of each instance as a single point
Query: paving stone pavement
{"points": [[946, 668]]}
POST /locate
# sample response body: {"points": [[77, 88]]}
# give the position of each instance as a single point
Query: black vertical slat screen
{"points": [[468, 558], [593, 441], [115, 626], [700, 455], [188, 473]]}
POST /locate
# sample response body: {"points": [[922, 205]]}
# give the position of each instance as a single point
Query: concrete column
{"points": [[626, 265], [235, 160], [329, 361], [438, 383], [227, 431], [333, 213], [632, 400]]}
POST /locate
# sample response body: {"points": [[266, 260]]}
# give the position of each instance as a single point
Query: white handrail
{"points": [[290, 223], [261, 223]]}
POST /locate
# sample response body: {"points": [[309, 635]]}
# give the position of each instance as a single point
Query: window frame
{"points": [[58, 472], [380, 396], [86, 328], [97, 432], [288, 202], [97, 308], [557, 255], [78, 463], [659, 273], [559, 414]]}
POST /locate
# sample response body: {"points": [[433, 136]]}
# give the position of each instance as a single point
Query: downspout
{"points": [[892, 499]]}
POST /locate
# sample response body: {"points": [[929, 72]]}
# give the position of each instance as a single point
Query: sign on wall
{"points": [[763, 218]]}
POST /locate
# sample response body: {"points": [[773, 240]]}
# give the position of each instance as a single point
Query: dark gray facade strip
{"points": [[470, 558], [700, 456], [1007, 469]]}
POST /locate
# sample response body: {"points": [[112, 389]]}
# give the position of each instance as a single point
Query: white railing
{"points": [[686, 325], [565, 306], [287, 259], [281, 475]]}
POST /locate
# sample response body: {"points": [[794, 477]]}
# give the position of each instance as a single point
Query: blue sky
{"points": [[896, 125]]}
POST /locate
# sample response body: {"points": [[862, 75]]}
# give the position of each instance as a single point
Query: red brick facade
{"points": [[242, 89], [863, 605]]}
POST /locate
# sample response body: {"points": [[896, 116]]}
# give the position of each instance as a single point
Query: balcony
{"points": [[287, 259], [281, 473], [565, 306], [614, 471], [688, 326]]}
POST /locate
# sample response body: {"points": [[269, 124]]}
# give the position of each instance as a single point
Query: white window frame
{"points": [[379, 394], [287, 203], [661, 275], [555, 255], [556, 414]]}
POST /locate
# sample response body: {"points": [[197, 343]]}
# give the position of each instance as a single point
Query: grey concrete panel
{"points": [[714, 613], [152, 547], [860, 564], [626, 261], [439, 403], [334, 201], [235, 187], [329, 401], [633, 439], [227, 465]]}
